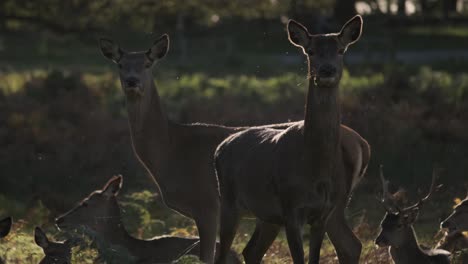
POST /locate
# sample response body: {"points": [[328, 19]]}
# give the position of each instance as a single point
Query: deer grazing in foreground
{"points": [[100, 212], [398, 232], [299, 174], [55, 252], [179, 157]]}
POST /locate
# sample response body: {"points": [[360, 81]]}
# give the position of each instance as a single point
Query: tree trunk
{"points": [[401, 7], [183, 45], [424, 7], [344, 10], [449, 6]]}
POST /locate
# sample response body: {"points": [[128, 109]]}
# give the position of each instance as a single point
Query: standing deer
{"points": [[300, 174], [398, 233], [55, 252], [179, 157], [100, 212], [458, 220]]}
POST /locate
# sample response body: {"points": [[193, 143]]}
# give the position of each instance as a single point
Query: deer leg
{"points": [[207, 225], [294, 236], [347, 245], [317, 233], [262, 238], [228, 226]]}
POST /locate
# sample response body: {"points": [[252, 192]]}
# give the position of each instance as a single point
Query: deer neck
{"points": [[148, 125], [113, 231], [409, 251], [322, 128]]}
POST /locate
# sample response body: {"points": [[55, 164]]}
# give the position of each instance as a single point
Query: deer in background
{"points": [[398, 232], [100, 212], [5, 227], [458, 220], [179, 157], [300, 174], [456, 225], [55, 252]]}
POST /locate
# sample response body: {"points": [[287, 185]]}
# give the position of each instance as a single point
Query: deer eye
{"points": [[84, 204], [310, 52]]}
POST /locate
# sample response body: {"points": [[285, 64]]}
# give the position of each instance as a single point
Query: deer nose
{"points": [[327, 71], [131, 82]]}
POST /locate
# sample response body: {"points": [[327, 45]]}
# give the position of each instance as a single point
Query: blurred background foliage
{"points": [[63, 125]]}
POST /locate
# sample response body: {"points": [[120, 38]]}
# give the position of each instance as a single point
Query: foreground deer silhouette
{"points": [[55, 252], [179, 157], [300, 174], [100, 212], [398, 233], [5, 227]]}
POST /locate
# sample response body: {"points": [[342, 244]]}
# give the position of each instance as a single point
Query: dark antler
{"points": [[434, 188], [387, 200]]}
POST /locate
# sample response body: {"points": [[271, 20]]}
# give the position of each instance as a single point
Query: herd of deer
{"points": [[285, 175]]}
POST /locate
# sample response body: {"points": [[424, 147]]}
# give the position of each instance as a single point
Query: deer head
{"points": [[458, 220], [97, 210], [325, 52], [55, 252], [5, 226], [135, 68], [397, 222]]}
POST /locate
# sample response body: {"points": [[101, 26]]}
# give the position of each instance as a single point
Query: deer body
{"points": [[295, 175], [458, 220], [101, 213], [408, 251]]}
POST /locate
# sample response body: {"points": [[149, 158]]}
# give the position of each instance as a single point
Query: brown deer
{"points": [[458, 220], [457, 224], [300, 174], [55, 252], [100, 212], [398, 232], [179, 157]]}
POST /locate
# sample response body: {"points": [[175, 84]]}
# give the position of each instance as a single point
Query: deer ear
{"points": [[40, 238], [110, 50], [113, 186], [298, 34], [159, 49], [351, 31], [5, 226], [410, 216]]}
